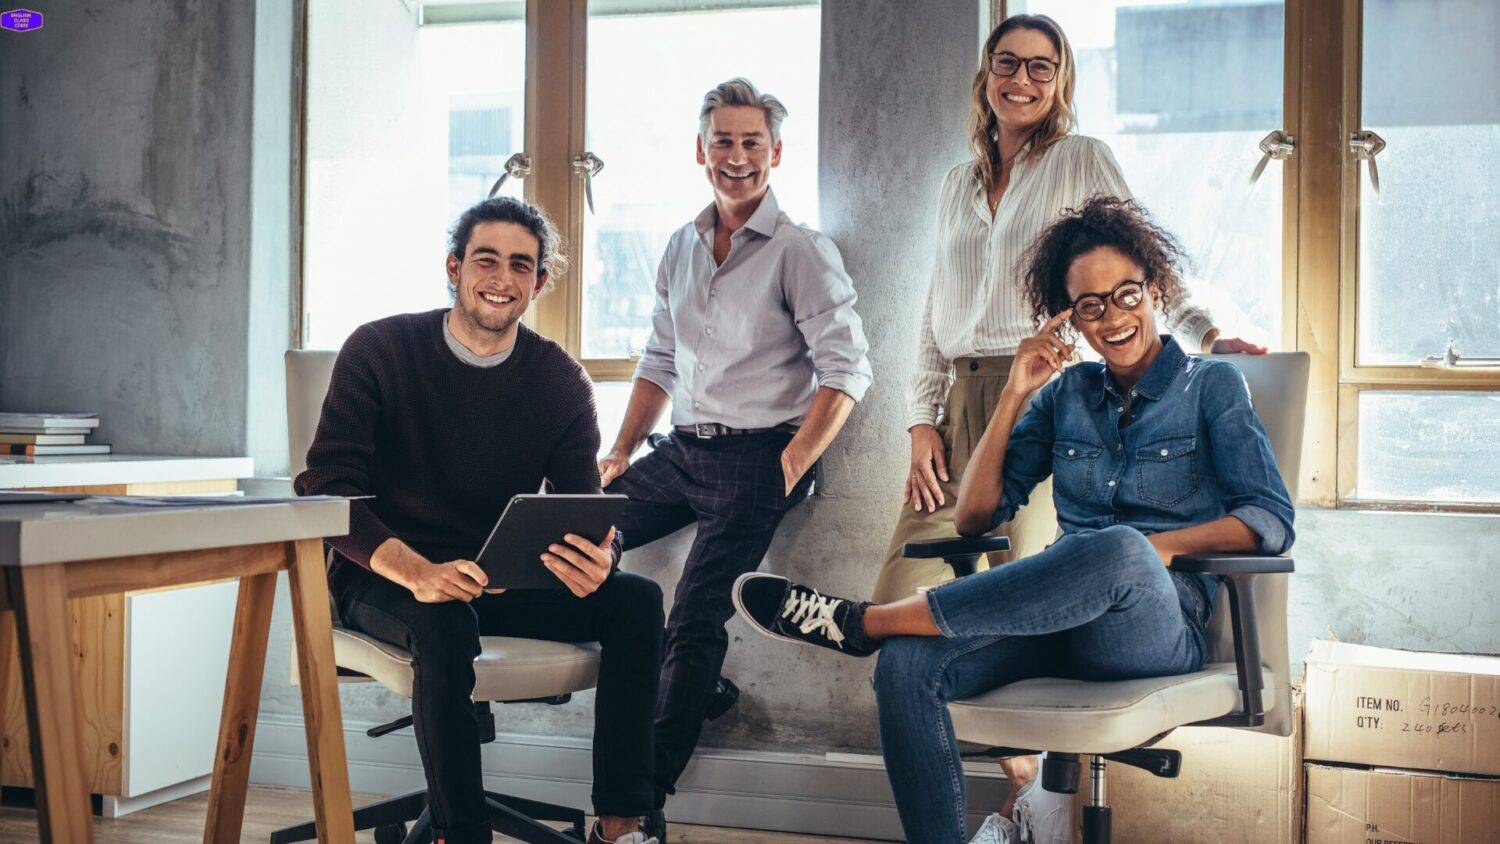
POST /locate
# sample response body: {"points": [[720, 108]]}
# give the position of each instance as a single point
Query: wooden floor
{"points": [[269, 809]]}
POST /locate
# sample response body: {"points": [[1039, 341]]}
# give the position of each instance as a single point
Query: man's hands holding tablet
{"points": [[582, 567], [430, 583]]}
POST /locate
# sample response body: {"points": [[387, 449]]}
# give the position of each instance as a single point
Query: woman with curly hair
{"points": [[1152, 454]]}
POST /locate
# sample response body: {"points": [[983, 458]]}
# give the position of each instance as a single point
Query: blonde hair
{"points": [[984, 129]]}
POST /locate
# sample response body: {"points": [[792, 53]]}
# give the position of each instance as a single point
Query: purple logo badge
{"points": [[21, 20]]}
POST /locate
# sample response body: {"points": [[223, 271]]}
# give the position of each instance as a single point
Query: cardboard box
{"points": [[1402, 709], [1236, 786], [1387, 806]]}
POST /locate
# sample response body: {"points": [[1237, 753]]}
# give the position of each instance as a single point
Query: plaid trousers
{"points": [[734, 489]]}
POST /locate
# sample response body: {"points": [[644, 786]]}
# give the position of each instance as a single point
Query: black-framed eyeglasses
{"points": [[1127, 296], [1039, 69]]}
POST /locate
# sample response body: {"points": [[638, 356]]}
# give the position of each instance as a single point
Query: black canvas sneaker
{"points": [[782, 609]]}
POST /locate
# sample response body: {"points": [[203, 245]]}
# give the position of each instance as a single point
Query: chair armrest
{"points": [[958, 546], [1240, 572], [960, 552], [1231, 564]]}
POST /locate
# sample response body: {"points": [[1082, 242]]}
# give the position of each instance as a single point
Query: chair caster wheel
{"points": [[391, 833]]}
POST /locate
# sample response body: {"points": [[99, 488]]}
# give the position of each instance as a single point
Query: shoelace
{"points": [[813, 612], [1023, 819]]}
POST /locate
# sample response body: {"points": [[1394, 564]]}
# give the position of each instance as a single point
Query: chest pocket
{"points": [[1165, 470], [1073, 468]]}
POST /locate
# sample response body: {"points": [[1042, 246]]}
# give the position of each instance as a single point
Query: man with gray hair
{"points": [[756, 344]]}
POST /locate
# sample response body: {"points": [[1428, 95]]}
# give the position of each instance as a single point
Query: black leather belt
{"points": [[709, 430]]}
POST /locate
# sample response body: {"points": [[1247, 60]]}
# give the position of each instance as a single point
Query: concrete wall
{"points": [[125, 220]]}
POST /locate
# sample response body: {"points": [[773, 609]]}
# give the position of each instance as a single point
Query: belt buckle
{"points": [[703, 430]]}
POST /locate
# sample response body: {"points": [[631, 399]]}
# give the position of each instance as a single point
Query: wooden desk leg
{"points": [[247, 664], [328, 766], [39, 595], [7, 647]]}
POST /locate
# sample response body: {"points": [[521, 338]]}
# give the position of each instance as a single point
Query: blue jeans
{"points": [[1096, 605]]}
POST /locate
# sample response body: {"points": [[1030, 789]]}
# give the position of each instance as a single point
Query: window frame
{"points": [[1346, 17]]}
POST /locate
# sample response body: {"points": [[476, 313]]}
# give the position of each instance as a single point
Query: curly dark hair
{"points": [[1101, 221]]}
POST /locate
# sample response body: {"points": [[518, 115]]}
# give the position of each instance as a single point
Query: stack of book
{"points": [[44, 434]]}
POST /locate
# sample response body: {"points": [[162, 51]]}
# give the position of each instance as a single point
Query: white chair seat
{"points": [[1098, 717], [506, 668]]}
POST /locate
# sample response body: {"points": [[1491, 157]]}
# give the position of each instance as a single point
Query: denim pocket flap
{"points": [[1167, 448], [1075, 450]]}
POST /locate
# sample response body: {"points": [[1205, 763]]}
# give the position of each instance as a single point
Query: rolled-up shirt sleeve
{"points": [[1028, 454], [658, 362], [1251, 484], [821, 296]]}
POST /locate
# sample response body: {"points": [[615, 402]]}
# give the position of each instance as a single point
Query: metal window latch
{"points": [[1276, 144], [1365, 146], [1451, 359], [587, 166], [517, 166]]}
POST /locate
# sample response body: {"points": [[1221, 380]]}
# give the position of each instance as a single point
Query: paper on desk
{"points": [[208, 500]]}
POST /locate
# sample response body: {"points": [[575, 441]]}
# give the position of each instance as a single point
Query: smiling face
{"points": [[498, 276], [738, 154], [1126, 339], [1019, 102]]}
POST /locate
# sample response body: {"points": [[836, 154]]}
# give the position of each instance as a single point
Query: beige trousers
{"points": [[971, 402]]}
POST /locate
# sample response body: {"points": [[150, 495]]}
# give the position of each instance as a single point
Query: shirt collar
{"points": [[1169, 362], [762, 222]]}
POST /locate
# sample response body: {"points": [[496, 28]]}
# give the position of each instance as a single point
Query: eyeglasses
{"points": [[1127, 296], [1037, 68]]}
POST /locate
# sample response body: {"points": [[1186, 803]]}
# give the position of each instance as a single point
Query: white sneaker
{"points": [[1042, 816], [996, 829], [636, 837]]}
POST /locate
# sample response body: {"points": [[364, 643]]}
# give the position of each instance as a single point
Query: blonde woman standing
{"points": [[1029, 167]]}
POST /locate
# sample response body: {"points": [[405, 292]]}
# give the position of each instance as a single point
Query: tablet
{"points": [[512, 556]]}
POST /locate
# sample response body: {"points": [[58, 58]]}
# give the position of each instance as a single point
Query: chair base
{"points": [[516, 817], [1061, 772]]}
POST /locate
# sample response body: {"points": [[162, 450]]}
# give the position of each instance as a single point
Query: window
{"points": [[1425, 289], [642, 123], [407, 125], [415, 108], [1182, 94]]}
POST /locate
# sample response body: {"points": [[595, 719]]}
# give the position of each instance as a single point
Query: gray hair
{"points": [[740, 91]]}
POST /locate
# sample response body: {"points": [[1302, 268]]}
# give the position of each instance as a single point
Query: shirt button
{"points": [[1071, 452], [700, 367], [1163, 452], [1111, 483], [713, 292], [708, 331], [700, 404]]}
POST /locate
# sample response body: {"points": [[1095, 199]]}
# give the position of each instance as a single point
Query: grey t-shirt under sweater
{"points": [[462, 352]]}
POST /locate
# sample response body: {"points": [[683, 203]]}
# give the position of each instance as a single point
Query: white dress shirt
{"points": [[748, 343], [975, 306]]}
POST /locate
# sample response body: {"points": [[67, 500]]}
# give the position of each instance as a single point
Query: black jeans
{"points": [[734, 489], [624, 616]]}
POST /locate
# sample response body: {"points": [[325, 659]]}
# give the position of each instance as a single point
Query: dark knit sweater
{"points": [[442, 445]]}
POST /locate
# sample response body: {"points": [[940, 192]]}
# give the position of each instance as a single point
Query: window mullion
{"points": [[556, 33]]}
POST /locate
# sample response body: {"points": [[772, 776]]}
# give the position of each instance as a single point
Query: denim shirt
{"points": [[1193, 452]]}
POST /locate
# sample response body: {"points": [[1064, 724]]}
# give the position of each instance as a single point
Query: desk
{"points": [[137, 652], [50, 553]]}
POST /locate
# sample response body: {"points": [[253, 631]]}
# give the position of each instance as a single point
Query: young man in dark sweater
{"points": [[442, 417]]}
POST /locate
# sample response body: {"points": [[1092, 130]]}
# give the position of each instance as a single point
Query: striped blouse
{"points": [[975, 307]]}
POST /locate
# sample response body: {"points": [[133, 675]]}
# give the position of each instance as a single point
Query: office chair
{"points": [[1242, 685], [507, 670]]}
